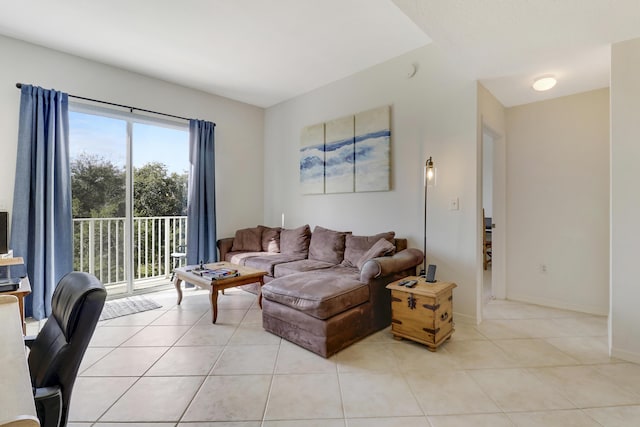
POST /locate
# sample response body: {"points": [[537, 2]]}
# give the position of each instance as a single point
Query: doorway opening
{"points": [[493, 156], [487, 210]]}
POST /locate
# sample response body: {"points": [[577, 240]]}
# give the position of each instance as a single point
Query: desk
{"points": [[21, 292], [17, 408]]}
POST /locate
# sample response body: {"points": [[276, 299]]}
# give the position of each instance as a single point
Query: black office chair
{"points": [[56, 352]]}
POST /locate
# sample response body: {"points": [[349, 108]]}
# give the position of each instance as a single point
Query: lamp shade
{"points": [[429, 172]]}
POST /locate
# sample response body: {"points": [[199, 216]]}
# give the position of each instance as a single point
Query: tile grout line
{"points": [[526, 367]]}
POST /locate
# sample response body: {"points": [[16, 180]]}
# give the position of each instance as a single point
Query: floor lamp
{"points": [[429, 175]]}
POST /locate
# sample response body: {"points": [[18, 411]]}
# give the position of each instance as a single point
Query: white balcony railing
{"points": [[99, 246]]}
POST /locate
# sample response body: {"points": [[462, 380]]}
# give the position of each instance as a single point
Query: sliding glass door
{"points": [[160, 175], [129, 178]]}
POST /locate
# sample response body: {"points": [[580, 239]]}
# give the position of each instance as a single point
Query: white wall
{"points": [[625, 202], [492, 120], [239, 129], [433, 114], [558, 202]]}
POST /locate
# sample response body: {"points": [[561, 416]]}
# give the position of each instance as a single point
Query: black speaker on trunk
{"points": [[431, 273], [4, 232]]}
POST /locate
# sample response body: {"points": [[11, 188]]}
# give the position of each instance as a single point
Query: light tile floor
{"points": [[524, 366]]}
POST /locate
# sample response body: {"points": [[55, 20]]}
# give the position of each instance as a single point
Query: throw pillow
{"points": [[381, 248], [248, 239], [271, 239], [327, 245], [295, 241], [356, 246]]}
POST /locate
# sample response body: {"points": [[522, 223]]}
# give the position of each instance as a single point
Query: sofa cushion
{"points": [[267, 261], [241, 257], [327, 245], [295, 241], [321, 293], [300, 266], [271, 239], [248, 239], [356, 246], [381, 248]]}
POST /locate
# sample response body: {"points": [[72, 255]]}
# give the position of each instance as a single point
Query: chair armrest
{"points": [[224, 246], [383, 266], [48, 402]]}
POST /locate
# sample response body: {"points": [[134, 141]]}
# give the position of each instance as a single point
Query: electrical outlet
{"points": [[454, 204]]}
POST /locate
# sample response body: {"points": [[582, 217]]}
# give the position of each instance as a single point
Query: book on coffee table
{"points": [[216, 273]]}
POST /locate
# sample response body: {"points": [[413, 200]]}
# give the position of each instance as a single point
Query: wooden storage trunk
{"points": [[423, 313]]}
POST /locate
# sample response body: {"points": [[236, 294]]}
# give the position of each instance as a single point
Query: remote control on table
{"points": [[408, 283]]}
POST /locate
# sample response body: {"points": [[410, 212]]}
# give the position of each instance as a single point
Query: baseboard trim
{"points": [[559, 304], [629, 356]]}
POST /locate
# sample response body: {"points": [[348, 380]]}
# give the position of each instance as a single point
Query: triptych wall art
{"points": [[348, 154]]}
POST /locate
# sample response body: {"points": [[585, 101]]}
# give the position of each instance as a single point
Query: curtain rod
{"points": [[19, 85]]}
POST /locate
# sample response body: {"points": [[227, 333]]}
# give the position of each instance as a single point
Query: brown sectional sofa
{"points": [[323, 290]]}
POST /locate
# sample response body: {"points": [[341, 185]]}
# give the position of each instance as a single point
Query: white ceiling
{"points": [[266, 51], [506, 44], [257, 51]]}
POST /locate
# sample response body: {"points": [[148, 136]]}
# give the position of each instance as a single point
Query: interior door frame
{"points": [[499, 217]]}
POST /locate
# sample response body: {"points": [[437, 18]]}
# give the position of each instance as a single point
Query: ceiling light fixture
{"points": [[544, 83]]}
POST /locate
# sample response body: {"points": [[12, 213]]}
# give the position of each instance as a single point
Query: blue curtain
{"points": [[201, 205], [41, 222]]}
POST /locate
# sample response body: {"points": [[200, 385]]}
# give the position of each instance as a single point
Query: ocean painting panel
{"points": [[372, 150], [312, 159], [339, 156]]}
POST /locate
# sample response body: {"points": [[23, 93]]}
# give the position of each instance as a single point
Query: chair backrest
{"points": [[58, 349]]}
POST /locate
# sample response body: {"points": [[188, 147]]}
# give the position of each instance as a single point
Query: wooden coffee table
{"points": [[247, 275]]}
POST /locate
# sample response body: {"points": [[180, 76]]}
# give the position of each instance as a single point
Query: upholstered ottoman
{"points": [[327, 310], [321, 311]]}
